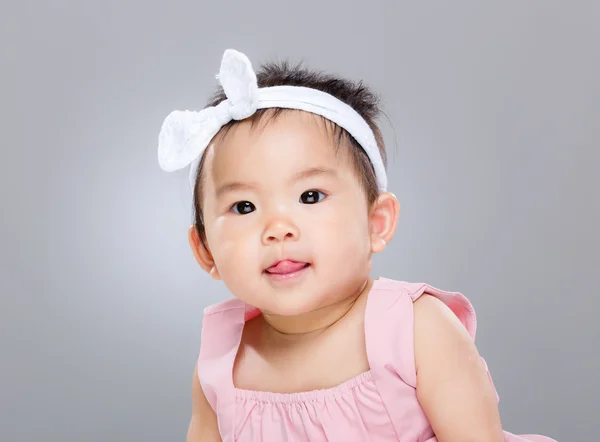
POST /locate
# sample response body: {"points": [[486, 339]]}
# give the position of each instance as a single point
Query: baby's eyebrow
{"points": [[314, 171], [233, 186]]}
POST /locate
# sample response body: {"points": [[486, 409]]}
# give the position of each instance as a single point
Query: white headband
{"points": [[186, 134]]}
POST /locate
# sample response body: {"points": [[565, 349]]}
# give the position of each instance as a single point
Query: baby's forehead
{"points": [[290, 142]]}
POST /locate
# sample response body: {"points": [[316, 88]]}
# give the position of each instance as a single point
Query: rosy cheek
{"points": [[335, 217], [234, 227], [233, 236], [227, 249]]}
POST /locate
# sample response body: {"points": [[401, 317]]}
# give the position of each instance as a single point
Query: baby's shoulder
{"points": [[390, 294]]}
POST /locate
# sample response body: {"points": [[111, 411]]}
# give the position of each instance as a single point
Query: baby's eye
{"points": [[312, 197], [243, 207]]}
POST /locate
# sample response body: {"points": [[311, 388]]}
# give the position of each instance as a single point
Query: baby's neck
{"points": [[317, 321]]}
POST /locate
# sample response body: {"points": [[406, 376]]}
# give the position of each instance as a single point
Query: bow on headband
{"points": [[186, 134]]}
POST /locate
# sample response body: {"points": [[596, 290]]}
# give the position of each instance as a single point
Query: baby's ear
{"points": [[383, 219], [202, 253]]}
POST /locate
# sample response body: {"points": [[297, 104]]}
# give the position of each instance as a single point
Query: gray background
{"points": [[494, 147]]}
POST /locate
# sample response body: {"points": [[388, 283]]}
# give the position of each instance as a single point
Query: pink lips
{"points": [[286, 267]]}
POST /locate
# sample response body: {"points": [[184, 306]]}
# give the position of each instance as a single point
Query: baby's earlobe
{"points": [[378, 244], [383, 221], [202, 253], [214, 273]]}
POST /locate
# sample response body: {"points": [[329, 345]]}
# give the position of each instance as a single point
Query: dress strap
{"points": [[222, 329]]}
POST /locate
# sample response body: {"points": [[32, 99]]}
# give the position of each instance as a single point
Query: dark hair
{"points": [[355, 94]]}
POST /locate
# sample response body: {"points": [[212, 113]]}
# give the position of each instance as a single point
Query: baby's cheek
{"points": [[354, 238], [227, 234], [351, 226], [231, 250], [344, 241], [238, 255]]}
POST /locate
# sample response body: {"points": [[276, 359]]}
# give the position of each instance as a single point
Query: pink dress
{"points": [[378, 405]]}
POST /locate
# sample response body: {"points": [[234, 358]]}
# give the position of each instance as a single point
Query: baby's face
{"points": [[286, 218]]}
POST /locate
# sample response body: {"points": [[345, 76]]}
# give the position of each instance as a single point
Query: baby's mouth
{"points": [[286, 267]]}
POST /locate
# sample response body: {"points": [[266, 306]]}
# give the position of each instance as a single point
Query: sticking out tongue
{"points": [[286, 266]]}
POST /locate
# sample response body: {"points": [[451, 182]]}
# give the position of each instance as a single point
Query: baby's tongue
{"points": [[286, 267]]}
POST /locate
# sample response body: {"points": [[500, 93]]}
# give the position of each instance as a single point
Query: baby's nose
{"points": [[281, 230]]}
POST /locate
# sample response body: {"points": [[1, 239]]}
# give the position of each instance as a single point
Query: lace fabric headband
{"points": [[186, 134]]}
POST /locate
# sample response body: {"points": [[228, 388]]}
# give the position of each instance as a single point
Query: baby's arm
{"points": [[453, 386], [203, 424]]}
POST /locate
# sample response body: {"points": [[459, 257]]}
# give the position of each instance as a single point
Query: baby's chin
{"points": [[284, 301], [287, 304], [289, 308]]}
